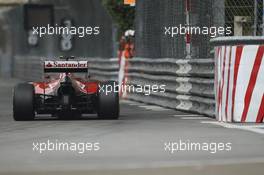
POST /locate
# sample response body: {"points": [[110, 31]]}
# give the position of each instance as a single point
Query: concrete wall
{"points": [[5, 45], [83, 12]]}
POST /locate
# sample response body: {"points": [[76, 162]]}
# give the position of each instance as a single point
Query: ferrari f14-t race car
{"points": [[64, 93]]}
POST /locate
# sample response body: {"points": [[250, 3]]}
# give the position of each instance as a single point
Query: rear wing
{"points": [[65, 66]]}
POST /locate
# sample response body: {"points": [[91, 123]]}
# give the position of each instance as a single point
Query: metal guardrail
{"points": [[237, 40], [189, 83], [103, 69], [28, 68]]}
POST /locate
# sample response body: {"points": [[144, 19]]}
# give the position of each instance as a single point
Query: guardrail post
{"points": [[263, 19], [187, 35]]}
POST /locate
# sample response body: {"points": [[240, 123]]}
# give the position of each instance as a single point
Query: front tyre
{"points": [[23, 102], [108, 100]]}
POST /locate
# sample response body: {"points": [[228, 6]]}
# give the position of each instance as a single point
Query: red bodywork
{"points": [[51, 86]]}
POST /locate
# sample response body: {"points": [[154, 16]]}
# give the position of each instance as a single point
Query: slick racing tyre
{"points": [[23, 102], [108, 101]]}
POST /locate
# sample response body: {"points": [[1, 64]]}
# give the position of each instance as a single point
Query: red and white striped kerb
{"points": [[239, 83]]}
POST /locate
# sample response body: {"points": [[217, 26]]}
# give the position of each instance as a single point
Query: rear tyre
{"points": [[23, 102], [108, 101]]}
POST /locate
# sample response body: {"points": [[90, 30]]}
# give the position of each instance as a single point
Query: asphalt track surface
{"points": [[132, 145]]}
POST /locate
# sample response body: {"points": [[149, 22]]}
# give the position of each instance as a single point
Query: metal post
{"points": [[255, 17], [263, 18], [218, 12], [188, 35]]}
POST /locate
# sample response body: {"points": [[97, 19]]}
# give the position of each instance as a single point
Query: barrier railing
{"points": [[27, 68], [189, 83]]}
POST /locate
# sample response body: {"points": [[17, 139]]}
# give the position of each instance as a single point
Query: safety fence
{"points": [[245, 17], [189, 84]]}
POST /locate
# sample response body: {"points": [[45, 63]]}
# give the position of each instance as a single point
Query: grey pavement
{"points": [[132, 145]]}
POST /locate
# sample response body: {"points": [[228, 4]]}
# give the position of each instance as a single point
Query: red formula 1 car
{"points": [[64, 93]]}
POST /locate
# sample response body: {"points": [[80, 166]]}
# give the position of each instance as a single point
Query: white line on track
{"points": [[187, 115], [194, 118], [154, 108], [257, 128], [132, 103], [126, 101], [191, 117], [141, 105]]}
